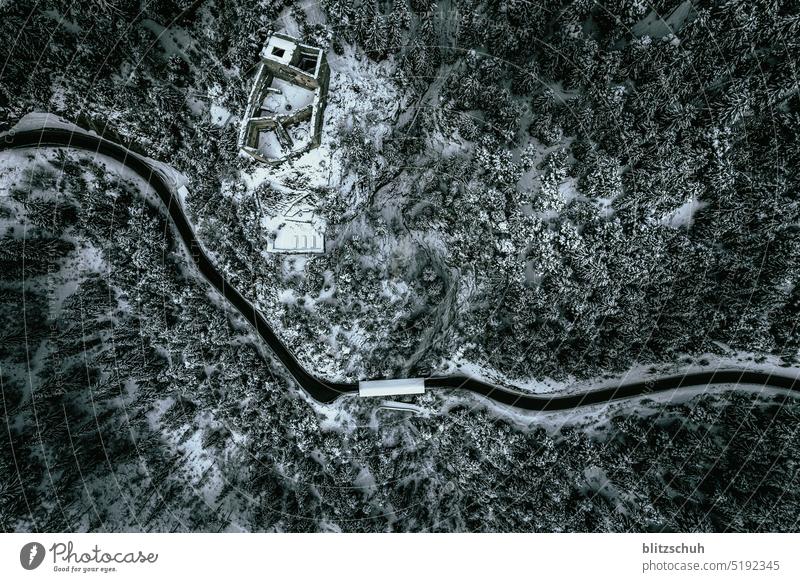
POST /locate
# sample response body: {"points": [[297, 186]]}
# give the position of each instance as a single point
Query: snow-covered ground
{"points": [[41, 120], [683, 216]]}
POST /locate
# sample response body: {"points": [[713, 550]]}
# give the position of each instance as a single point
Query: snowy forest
{"points": [[540, 190]]}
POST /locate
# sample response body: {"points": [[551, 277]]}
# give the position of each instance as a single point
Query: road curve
{"points": [[324, 391], [317, 388]]}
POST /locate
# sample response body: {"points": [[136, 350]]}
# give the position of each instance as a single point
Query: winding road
{"points": [[322, 390]]}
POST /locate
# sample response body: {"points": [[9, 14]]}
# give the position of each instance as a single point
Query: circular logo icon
{"points": [[31, 555]]}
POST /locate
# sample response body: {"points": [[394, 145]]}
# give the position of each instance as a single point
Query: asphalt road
{"points": [[324, 391]]}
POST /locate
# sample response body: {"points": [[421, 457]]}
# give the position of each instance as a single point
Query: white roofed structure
{"points": [[280, 49], [297, 237], [367, 388]]}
